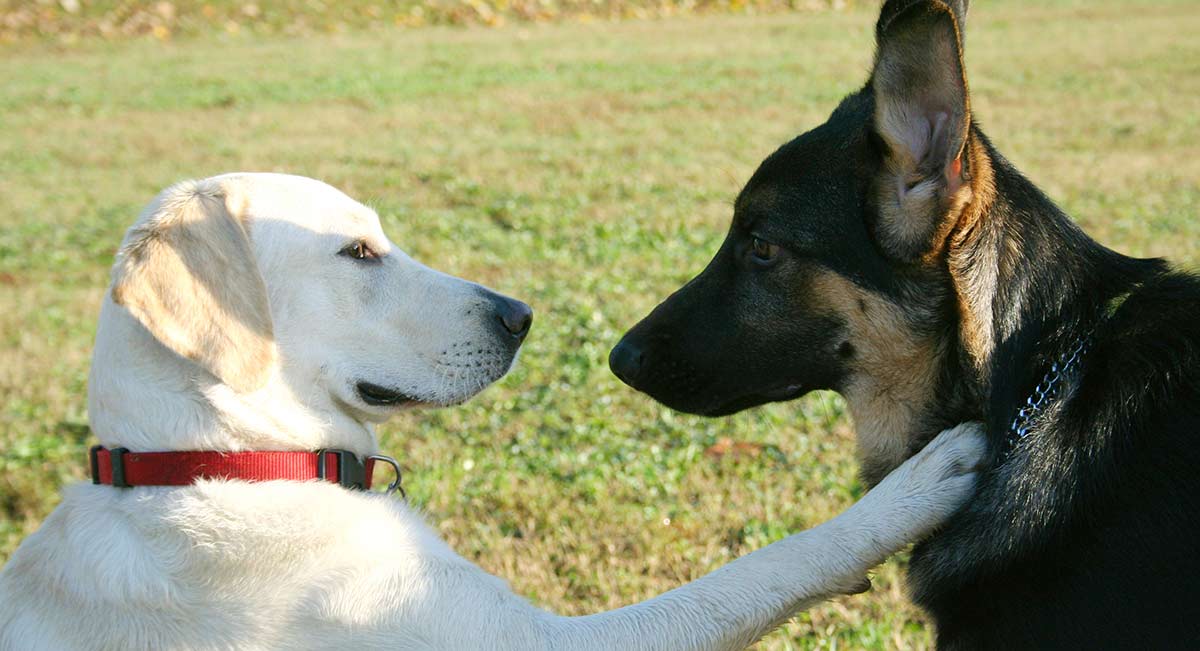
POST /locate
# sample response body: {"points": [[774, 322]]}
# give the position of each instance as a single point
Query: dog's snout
{"points": [[515, 316], [626, 359]]}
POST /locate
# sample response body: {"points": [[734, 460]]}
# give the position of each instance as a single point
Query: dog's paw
{"points": [[951, 455], [927, 488]]}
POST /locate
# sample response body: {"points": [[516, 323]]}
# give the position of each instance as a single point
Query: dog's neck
{"points": [[1040, 285], [896, 404], [1025, 285], [1030, 283], [144, 397]]}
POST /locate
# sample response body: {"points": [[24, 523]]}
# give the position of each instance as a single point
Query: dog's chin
{"points": [[723, 405], [385, 400]]}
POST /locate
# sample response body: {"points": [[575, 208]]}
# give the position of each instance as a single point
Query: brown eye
{"points": [[359, 251], [764, 251]]}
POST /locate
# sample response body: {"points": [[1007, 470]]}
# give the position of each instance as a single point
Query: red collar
{"points": [[122, 468]]}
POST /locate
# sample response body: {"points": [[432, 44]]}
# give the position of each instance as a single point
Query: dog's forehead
{"points": [[811, 183], [301, 201], [799, 192]]}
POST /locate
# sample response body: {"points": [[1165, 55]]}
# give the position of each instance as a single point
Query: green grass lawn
{"points": [[589, 170]]}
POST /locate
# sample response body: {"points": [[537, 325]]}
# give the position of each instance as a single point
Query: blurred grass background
{"points": [[585, 167], [68, 20]]}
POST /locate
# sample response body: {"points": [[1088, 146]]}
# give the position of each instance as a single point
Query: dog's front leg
{"points": [[734, 606]]}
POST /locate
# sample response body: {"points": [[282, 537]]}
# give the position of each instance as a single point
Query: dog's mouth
{"points": [[380, 396], [778, 394]]}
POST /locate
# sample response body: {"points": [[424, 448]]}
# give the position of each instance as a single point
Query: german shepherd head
{"points": [[889, 254]]}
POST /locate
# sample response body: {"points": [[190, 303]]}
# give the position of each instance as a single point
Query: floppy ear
{"points": [[188, 274], [922, 115]]}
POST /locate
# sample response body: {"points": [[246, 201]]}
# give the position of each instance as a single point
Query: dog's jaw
{"points": [[145, 397]]}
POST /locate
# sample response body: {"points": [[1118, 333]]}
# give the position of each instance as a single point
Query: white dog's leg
{"points": [[734, 606]]}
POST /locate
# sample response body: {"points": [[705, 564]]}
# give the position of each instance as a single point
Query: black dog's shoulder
{"points": [[1094, 525], [1144, 371], [1155, 327]]}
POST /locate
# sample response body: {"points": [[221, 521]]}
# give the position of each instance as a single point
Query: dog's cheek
{"points": [[887, 369]]}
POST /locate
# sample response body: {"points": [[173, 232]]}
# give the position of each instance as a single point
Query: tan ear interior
{"points": [[922, 112], [189, 275]]}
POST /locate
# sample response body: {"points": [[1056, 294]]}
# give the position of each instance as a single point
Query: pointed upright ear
{"points": [[188, 273], [923, 117]]}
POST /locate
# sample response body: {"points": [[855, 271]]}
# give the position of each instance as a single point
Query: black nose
{"points": [[625, 360], [515, 316]]}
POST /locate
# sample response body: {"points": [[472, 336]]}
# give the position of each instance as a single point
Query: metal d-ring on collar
{"points": [[1045, 391], [395, 486]]}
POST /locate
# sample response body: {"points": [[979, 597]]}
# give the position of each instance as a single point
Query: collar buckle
{"points": [[116, 458], [351, 473]]}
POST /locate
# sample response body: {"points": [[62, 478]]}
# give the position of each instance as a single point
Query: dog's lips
{"points": [[380, 396], [787, 392], [746, 401]]}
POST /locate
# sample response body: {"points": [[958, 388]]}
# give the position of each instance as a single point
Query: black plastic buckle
{"points": [[351, 472], [94, 461], [117, 457]]}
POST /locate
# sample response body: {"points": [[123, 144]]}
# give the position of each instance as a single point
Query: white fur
{"points": [[293, 565]]}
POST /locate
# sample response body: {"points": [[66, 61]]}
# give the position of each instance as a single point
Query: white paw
{"points": [[927, 488]]}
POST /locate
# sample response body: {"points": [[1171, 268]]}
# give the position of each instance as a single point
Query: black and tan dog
{"points": [[893, 255]]}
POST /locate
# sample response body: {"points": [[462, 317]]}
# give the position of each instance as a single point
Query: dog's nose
{"points": [[515, 316], [625, 360]]}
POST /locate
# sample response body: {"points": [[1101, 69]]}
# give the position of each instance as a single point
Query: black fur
{"points": [[1085, 534]]}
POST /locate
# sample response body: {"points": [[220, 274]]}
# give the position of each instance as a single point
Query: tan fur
{"points": [[192, 256], [893, 372], [972, 269]]}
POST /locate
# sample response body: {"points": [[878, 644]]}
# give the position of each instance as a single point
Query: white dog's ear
{"points": [[188, 273], [923, 116]]}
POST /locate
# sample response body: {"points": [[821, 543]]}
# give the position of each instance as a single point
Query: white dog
{"points": [[262, 312]]}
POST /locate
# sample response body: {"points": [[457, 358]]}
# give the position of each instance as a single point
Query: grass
{"points": [[70, 20], [589, 170]]}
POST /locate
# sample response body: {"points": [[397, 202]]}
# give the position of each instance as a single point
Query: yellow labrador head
{"points": [[259, 280]]}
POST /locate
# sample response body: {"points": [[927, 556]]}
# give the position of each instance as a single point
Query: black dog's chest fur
{"points": [[1088, 536]]}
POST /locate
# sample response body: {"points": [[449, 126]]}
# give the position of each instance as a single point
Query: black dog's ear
{"points": [[893, 8], [922, 115]]}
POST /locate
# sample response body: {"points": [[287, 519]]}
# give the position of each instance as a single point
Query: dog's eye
{"points": [[763, 251], [359, 251]]}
